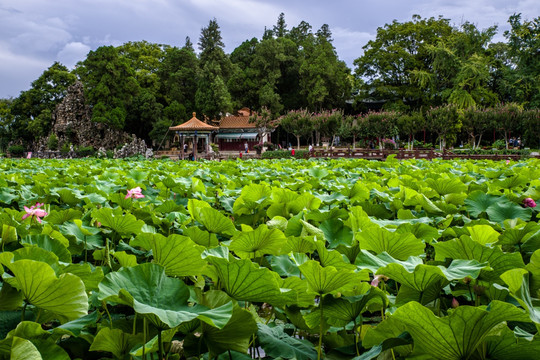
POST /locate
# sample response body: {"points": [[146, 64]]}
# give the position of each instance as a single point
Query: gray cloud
{"points": [[35, 33]]}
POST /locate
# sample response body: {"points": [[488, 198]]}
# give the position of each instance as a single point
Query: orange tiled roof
{"points": [[236, 122], [192, 125]]}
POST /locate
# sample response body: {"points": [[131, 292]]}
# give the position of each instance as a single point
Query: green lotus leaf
{"points": [[305, 201], [359, 192], [506, 345], [90, 276], [301, 244], [201, 237], [311, 230], [300, 294], [520, 234], [125, 259], [483, 234], [65, 296], [277, 222], [446, 186], [123, 224], [343, 310], [59, 217], [161, 299], [53, 245], [478, 202], [35, 253], [336, 233], [22, 349], [10, 298], [397, 245], [429, 206], [501, 211], [284, 266], [332, 257], [511, 182], [534, 269], [7, 197], [235, 335], [87, 236], [518, 284], [68, 196], [259, 242], [276, 343], [252, 198], [468, 249], [114, 341], [318, 172], [75, 327], [366, 260], [215, 222], [457, 335], [327, 280], [152, 346], [242, 280], [9, 234], [419, 230], [178, 255]]}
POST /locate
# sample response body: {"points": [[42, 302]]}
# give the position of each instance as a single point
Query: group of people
{"points": [[513, 142]]}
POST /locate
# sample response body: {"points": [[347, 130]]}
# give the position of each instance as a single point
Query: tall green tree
{"points": [[324, 79], [212, 96], [410, 124], [110, 85], [280, 29], [524, 42], [445, 121], [298, 123], [32, 110]]}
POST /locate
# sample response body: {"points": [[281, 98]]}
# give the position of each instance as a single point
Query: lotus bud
{"points": [[455, 303], [467, 280]]}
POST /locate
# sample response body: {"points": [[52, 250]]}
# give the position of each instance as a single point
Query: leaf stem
{"points": [[160, 340], [319, 351], [24, 310]]}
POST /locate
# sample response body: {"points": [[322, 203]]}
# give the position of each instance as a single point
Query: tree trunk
{"points": [[354, 142], [298, 142], [380, 143]]}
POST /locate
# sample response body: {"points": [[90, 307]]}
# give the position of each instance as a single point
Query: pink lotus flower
{"points": [[507, 162], [528, 202], [35, 211], [377, 279], [135, 193]]}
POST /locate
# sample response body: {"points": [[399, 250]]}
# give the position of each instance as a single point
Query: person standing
{"points": [[246, 147]]}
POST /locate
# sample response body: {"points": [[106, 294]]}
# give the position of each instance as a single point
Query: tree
{"points": [[476, 122], [445, 122], [265, 122], [507, 118], [298, 123], [6, 123], [212, 96], [409, 125], [524, 42], [354, 126], [32, 110], [324, 79], [382, 125], [110, 85], [388, 62], [280, 29], [326, 124]]}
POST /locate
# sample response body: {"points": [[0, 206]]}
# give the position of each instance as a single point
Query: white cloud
{"points": [[349, 43], [72, 53], [18, 71]]}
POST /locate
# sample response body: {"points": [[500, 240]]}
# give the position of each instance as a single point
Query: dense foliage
{"points": [[294, 259], [409, 67]]}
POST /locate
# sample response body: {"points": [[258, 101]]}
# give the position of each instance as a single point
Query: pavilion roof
{"points": [[193, 124]]}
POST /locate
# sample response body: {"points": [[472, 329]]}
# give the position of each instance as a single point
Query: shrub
{"points": [[16, 150], [65, 148], [285, 154], [52, 143], [499, 144], [85, 151]]}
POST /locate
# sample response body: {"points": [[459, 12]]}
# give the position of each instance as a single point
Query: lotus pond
{"points": [[289, 259]]}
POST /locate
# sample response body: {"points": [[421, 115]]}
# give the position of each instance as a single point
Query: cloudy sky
{"points": [[35, 33]]}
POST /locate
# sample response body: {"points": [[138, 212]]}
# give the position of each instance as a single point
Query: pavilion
{"points": [[195, 129]]}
